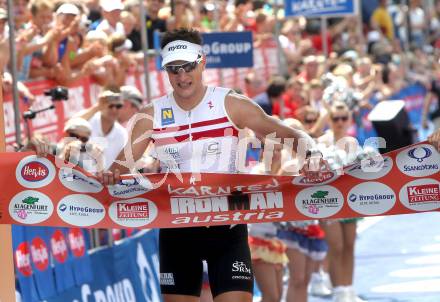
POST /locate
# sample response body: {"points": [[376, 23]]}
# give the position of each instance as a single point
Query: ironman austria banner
{"points": [[36, 192]]}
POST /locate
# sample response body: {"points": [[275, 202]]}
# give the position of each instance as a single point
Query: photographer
{"points": [[74, 147]]}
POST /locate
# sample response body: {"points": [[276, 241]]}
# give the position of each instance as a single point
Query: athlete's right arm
{"points": [[139, 136]]}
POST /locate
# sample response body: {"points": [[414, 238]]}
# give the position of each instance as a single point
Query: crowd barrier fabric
{"points": [[39, 193], [125, 272]]}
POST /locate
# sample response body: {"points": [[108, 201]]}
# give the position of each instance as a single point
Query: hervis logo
{"points": [[33, 172], [167, 115]]}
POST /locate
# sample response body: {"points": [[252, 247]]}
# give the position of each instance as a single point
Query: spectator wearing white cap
{"points": [[132, 103], [111, 12], [103, 118]]}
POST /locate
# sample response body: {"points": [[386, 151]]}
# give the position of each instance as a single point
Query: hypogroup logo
{"points": [[419, 161], [136, 212], [319, 202], [30, 207], [80, 210], [371, 198], [421, 195], [78, 182], [34, 172]]}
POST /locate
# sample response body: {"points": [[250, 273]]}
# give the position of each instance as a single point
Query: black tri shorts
{"points": [[225, 249]]}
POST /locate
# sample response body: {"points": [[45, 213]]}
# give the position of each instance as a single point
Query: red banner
{"points": [[36, 192]]}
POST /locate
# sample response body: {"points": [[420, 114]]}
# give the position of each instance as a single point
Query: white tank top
{"points": [[203, 139]]}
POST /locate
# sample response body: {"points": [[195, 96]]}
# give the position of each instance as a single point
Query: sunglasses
{"points": [[83, 139], [310, 121], [186, 67], [117, 106], [340, 118]]}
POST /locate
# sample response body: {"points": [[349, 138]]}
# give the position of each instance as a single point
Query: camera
{"points": [[58, 93]]}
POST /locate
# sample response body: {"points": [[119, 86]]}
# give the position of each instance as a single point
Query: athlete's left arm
{"points": [[246, 114]]}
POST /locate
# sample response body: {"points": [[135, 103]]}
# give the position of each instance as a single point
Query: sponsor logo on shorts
{"points": [[34, 172], [23, 259], [80, 210], [371, 198], [420, 161], [135, 212], [30, 207], [58, 246], [40, 254], [167, 279], [78, 182], [371, 168], [421, 195], [320, 202], [241, 271]]}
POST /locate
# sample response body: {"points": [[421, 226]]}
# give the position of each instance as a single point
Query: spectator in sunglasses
{"points": [[103, 118]]}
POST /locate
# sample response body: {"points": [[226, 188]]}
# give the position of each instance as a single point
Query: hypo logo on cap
{"points": [[34, 172], [176, 47]]}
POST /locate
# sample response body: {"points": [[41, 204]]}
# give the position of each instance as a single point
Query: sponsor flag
{"points": [[23, 266], [39, 244], [79, 247], [62, 259]]}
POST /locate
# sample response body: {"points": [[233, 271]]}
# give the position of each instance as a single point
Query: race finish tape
{"points": [[35, 192]]}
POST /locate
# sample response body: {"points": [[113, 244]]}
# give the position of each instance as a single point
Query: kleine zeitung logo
{"points": [[136, 212], [421, 195], [34, 172]]}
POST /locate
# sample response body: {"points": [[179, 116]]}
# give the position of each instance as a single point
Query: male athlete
{"points": [[191, 121]]}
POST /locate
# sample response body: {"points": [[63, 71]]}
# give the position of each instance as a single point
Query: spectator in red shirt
{"points": [[292, 99]]}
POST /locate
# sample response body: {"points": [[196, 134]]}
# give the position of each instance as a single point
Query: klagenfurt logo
{"points": [[58, 246], [136, 212], [130, 187], [76, 242], [34, 172], [371, 198], [421, 195], [30, 207], [80, 210], [371, 168], [321, 179], [78, 182], [204, 204], [419, 161], [319, 202], [23, 259], [40, 254]]}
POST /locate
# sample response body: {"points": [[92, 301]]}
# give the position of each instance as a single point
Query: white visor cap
{"points": [[180, 51]]}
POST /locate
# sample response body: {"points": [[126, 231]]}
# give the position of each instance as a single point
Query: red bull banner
{"points": [[40, 191]]}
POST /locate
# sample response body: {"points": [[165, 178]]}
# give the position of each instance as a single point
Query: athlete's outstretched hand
{"points": [[109, 178], [434, 139], [41, 146]]}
